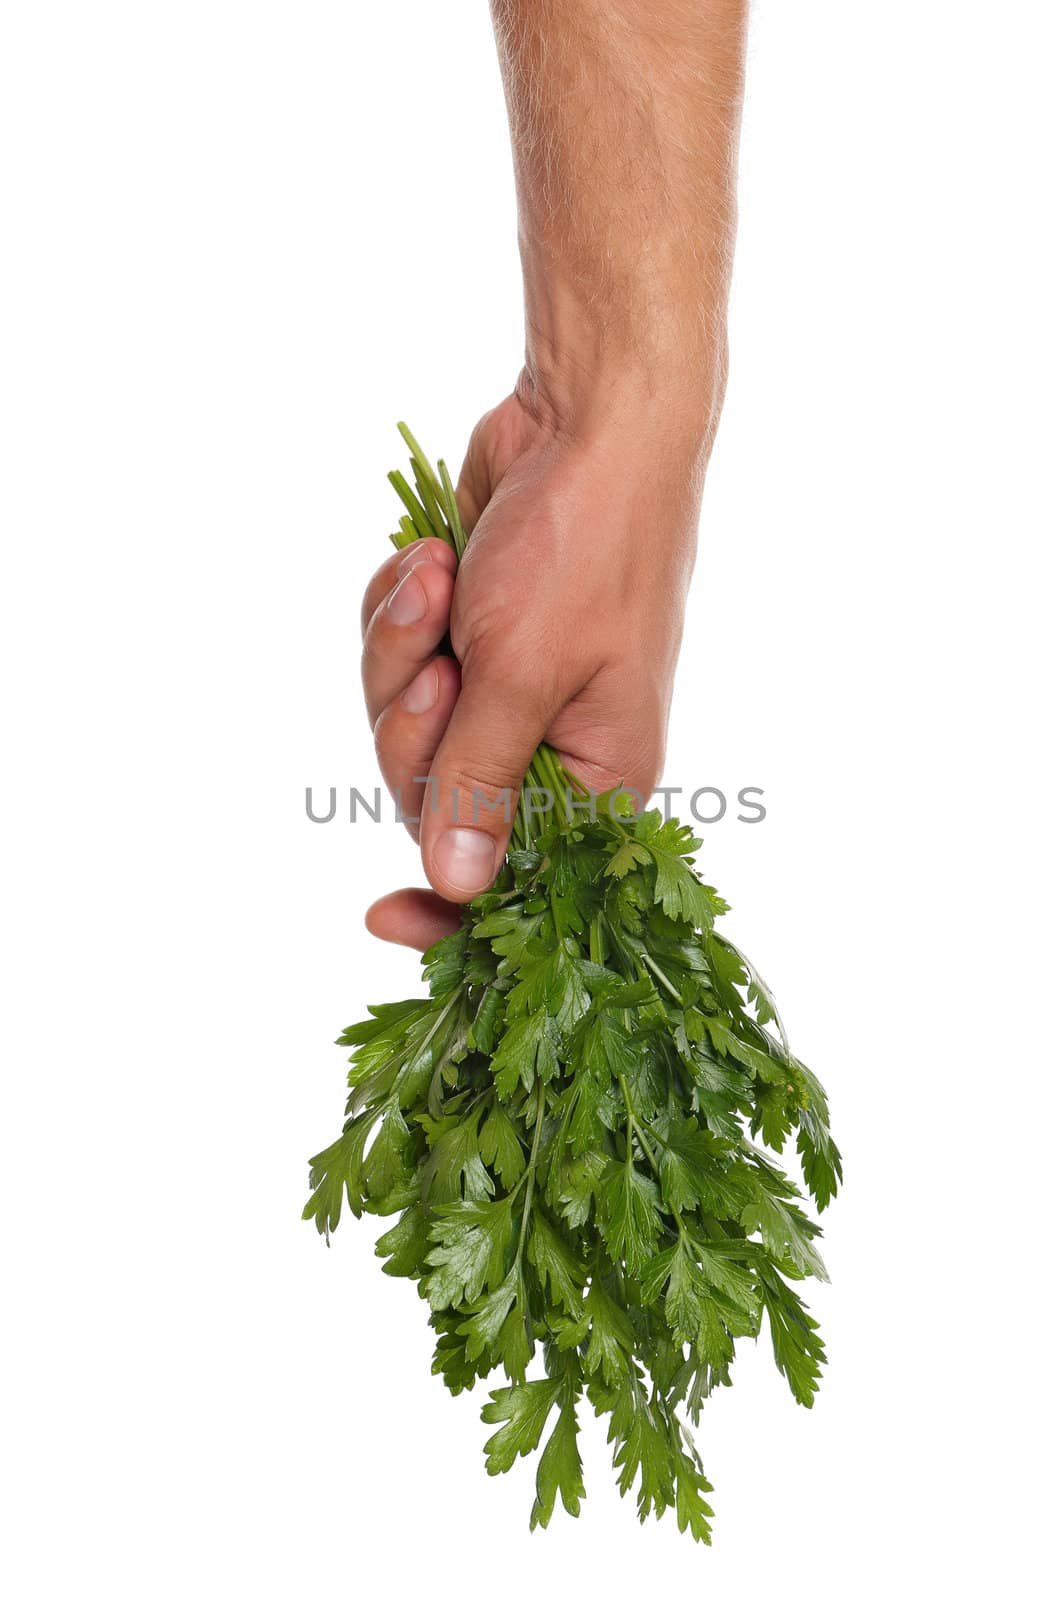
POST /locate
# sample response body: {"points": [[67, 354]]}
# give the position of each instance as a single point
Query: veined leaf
{"points": [[523, 1411], [560, 1470]]}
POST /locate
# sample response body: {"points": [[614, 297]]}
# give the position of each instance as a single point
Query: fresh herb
{"points": [[572, 1130]]}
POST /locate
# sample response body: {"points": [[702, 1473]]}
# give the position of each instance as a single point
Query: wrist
{"points": [[654, 372]]}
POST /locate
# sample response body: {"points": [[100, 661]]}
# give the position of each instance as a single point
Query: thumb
{"points": [[474, 786]]}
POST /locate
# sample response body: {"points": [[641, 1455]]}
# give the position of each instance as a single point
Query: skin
{"points": [[583, 488]]}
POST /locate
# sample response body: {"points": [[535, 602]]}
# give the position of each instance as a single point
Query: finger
{"points": [[497, 440], [618, 724], [473, 488], [387, 576], [416, 917], [404, 631], [468, 810], [408, 732], [471, 496]]}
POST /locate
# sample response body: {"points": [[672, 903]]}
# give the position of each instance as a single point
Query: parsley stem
{"points": [[420, 458], [634, 1123], [450, 508], [443, 1015], [545, 772], [529, 1171], [661, 978], [559, 779], [417, 513]]}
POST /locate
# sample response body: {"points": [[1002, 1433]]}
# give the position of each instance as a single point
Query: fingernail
{"points": [[466, 859], [423, 692], [416, 556], [408, 602]]}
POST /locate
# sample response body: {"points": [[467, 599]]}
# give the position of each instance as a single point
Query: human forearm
{"points": [[625, 120], [581, 492]]}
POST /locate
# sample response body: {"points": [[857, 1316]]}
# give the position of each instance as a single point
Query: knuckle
{"points": [[492, 774], [384, 641], [487, 795], [520, 664], [644, 758], [384, 734]]}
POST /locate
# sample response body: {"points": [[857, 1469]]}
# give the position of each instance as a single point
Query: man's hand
{"points": [[582, 488], [565, 622]]}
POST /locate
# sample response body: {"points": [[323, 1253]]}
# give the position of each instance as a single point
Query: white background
{"points": [[240, 241]]}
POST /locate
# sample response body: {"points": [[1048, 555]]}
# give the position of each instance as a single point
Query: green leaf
{"points": [[586, 1109], [691, 1508], [643, 1450], [550, 983], [335, 1170], [471, 1238], [798, 1348], [513, 1345], [629, 1215], [483, 1329], [560, 1470], [641, 993], [451, 1362], [577, 1185], [605, 1045], [454, 1164], [388, 1021], [677, 889], [510, 930], [776, 1112], [405, 1246], [391, 1157], [500, 1145], [821, 1164], [558, 1268], [523, 1411], [759, 1061], [697, 1170], [628, 855], [786, 1234], [612, 1337], [730, 1283], [485, 1023], [671, 1271], [444, 962], [528, 1050]]}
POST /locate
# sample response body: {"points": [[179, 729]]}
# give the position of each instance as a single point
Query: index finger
{"points": [[396, 566]]}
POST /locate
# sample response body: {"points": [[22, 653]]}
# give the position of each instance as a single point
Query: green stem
{"points": [[434, 1029], [430, 501], [634, 1123], [421, 459], [450, 503], [520, 824], [661, 978], [529, 1170], [418, 515]]}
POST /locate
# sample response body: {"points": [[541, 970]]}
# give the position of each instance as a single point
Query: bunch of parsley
{"points": [[571, 1129]]}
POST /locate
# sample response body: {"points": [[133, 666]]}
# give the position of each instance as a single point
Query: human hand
{"points": [[565, 620]]}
